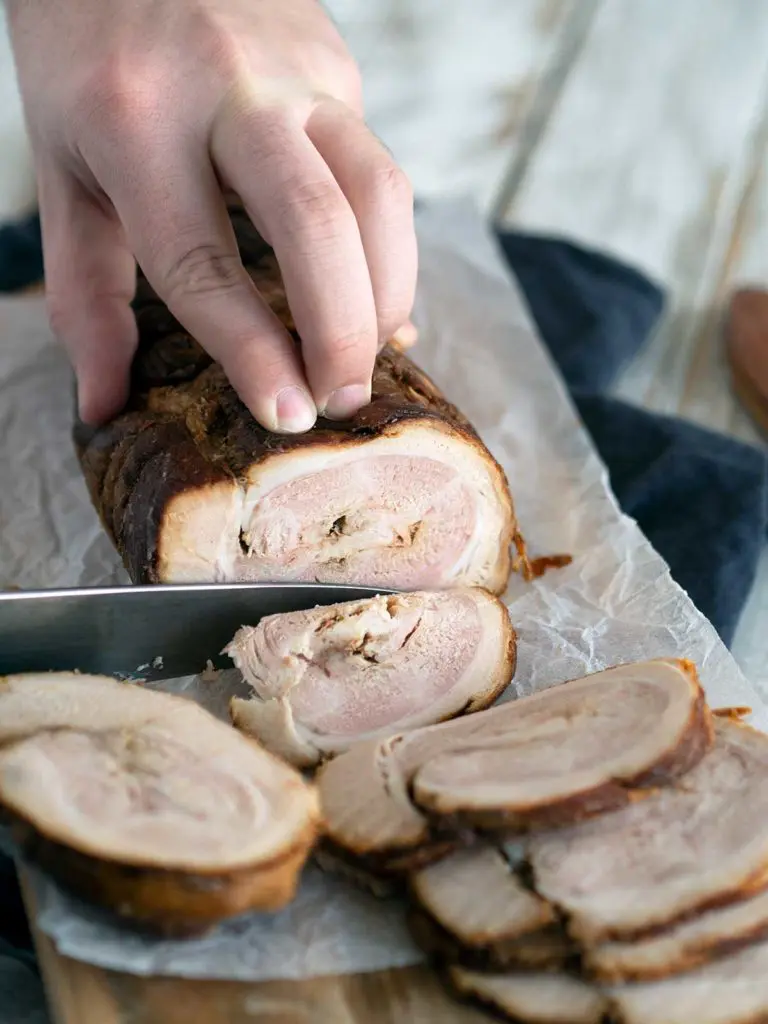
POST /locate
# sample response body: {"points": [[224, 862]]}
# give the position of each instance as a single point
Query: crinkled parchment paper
{"points": [[615, 603]]}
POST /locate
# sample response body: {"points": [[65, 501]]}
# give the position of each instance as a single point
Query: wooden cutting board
{"points": [[80, 993]]}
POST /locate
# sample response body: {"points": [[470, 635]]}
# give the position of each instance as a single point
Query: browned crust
{"points": [[507, 666], [725, 898], [547, 949], [167, 901], [734, 714], [686, 960], [185, 428], [697, 738], [397, 860]]}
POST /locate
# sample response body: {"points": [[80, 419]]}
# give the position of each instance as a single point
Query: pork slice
{"points": [[472, 908], [30, 704], [533, 997], [478, 898], [147, 804], [404, 496], [694, 942], [698, 844], [327, 677], [733, 990], [557, 756]]}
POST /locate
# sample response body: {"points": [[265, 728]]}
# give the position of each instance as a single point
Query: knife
{"points": [[146, 632]]}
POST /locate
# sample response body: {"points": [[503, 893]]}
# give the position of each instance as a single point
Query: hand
{"points": [[139, 114]]}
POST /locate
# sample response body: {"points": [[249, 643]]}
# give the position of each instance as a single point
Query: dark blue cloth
{"points": [[700, 498], [21, 254]]}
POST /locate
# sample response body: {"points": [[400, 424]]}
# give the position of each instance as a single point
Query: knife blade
{"points": [[147, 632]]}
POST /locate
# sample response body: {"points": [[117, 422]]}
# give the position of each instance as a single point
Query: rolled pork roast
{"points": [[190, 488], [330, 676], [146, 804]]}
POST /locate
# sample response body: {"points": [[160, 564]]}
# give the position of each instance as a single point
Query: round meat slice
{"points": [[700, 844], [146, 804], [559, 756], [330, 676], [472, 908]]}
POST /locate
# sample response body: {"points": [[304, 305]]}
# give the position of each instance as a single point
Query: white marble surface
{"points": [[640, 126]]}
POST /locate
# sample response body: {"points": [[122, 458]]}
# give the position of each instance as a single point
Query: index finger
{"points": [[286, 184], [177, 224]]}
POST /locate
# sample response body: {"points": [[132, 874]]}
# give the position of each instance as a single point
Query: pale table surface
{"points": [[639, 126]]}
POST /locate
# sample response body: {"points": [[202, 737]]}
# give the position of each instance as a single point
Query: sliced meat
{"points": [[534, 998], [732, 991], [148, 805], [560, 755], [705, 937], [699, 844], [472, 908], [327, 677], [545, 950], [477, 897], [191, 489]]}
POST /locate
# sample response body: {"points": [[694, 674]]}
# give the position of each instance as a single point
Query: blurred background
{"points": [[638, 126]]}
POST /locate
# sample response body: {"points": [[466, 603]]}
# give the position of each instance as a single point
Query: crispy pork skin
{"points": [[558, 756], [700, 844], [191, 489], [532, 997], [146, 804], [330, 676]]}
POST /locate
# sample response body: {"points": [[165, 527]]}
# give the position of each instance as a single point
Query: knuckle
{"points": [[390, 185], [350, 347], [318, 205], [199, 269], [114, 101], [220, 48]]}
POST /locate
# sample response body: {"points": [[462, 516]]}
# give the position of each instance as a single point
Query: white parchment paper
{"points": [[615, 603]]}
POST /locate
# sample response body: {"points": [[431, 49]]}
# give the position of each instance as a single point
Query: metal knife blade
{"points": [[147, 632]]}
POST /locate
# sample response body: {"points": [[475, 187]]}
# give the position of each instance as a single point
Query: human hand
{"points": [[139, 114]]}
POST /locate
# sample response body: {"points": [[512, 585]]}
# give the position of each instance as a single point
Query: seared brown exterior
{"points": [[185, 427], [544, 950], [614, 794], [168, 902]]}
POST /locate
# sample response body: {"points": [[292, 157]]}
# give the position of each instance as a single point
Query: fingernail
{"points": [[345, 402], [406, 335], [295, 411]]}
